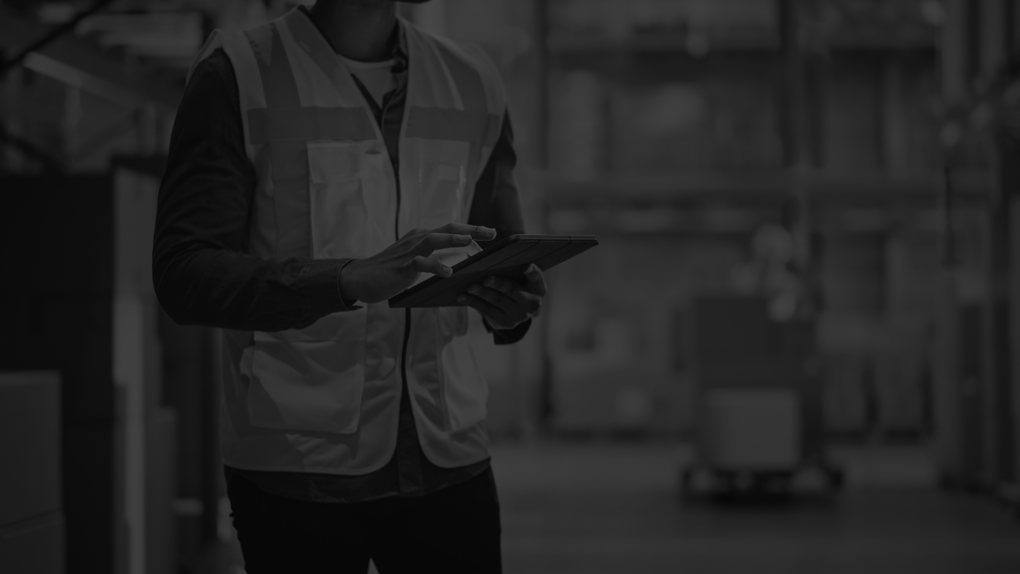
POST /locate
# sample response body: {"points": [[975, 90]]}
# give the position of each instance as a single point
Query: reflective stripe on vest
{"points": [[325, 398]]}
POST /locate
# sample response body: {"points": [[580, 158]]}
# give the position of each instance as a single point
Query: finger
{"points": [[426, 265], [436, 241], [497, 298], [530, 303], [488, 310], [506, 286], [475, 231], [536, 281]]}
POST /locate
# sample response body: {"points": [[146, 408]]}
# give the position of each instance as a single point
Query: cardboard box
{"points": [[732, 326], [33, 547], [752, 430], [755, 373], [29, 445]]}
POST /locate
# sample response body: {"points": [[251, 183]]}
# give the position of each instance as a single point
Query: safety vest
{"points": [[325, 398]]}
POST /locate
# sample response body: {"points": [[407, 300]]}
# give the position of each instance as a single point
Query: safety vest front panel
{"points": [[325, 398], [453, 123], [295, 399]]}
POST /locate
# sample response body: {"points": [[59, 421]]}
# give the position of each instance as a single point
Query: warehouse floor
{"points": [[613, 508], [601, 509]]}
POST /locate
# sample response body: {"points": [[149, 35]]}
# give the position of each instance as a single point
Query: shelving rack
{"points": [[888, 196], [799, 71]]}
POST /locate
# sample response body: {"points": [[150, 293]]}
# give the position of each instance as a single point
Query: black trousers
{"points": [[454, 530]]}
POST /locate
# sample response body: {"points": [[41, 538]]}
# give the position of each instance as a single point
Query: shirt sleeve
{"points": [[201, 272], [497, 204]]}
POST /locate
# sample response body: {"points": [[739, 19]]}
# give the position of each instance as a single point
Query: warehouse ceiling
{"points": [[127, 62], [130, 51]]}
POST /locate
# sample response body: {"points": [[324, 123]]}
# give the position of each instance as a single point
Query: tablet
{"points": [[507, 257]]}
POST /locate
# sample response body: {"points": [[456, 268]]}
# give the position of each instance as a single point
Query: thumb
{"points": [[536, 283], [533, 274]]}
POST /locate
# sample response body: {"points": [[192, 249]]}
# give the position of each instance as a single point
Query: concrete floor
{"points": [[613, 508]]}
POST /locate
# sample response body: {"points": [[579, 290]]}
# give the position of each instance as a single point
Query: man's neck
{"points": [[357, 29]]}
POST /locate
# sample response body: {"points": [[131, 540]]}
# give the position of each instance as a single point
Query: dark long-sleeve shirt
{"points": [[203, 274]]}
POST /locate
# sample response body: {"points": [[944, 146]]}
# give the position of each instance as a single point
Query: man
{"points": [[317, 166]]}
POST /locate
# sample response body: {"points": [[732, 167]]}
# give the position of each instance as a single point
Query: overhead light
{"points": [[698, 45], [929, 220], [934, 12], [729, 220], [569, 221], [55, 13], [865, 220], [59, 71], [646, 220]]}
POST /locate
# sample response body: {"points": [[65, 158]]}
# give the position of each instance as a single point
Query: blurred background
{"points": [[794, 351]]}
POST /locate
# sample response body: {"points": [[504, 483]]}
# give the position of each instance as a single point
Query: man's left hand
{"points": [[505, 303]]}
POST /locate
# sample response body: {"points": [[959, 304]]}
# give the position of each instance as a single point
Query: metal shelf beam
{"points": [[87, 65]]}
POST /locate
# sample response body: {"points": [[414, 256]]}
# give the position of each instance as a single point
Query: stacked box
{"points": [[31, 516], [845, 396], [751, 429], [757, 380]]}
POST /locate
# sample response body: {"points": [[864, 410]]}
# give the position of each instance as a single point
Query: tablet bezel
{"points": [[489, 251]]}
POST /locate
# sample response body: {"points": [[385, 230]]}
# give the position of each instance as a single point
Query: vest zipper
{"points": [[407, 311], [403, 352], [405, 387], [380, 112]]}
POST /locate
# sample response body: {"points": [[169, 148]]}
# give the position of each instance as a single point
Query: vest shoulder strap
{"points": [[212, 43], [494, 88], [475, 58], [243, 50], [236, 46]]}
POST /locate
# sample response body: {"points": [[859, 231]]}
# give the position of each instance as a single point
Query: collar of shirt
{"points": [[398, 49]]}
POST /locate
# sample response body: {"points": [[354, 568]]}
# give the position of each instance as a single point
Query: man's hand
{"points": [[504, 303], [394, 269]]}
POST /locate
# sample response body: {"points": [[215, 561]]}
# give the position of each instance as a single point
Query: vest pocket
{"points": [[465, 391], [338, 206], [444, 182], [310, 379]]}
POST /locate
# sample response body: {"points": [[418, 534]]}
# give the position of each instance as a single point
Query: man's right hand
{"points": [[394, 269]]}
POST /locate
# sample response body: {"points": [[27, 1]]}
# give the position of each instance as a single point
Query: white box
{"points": [[35, 546], [29, 445], [750, 429]]}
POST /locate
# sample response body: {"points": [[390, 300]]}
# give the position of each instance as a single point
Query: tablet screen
{"points": [[508, 257]]}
